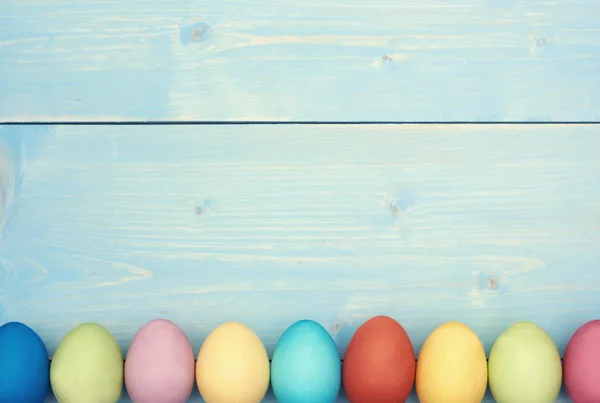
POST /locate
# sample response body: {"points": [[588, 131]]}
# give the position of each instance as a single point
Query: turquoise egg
{"points": [[306, 365]]}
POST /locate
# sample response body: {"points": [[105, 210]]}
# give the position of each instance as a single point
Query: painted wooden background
{"points": [[485, 224], [484, 209], [309, 60]]}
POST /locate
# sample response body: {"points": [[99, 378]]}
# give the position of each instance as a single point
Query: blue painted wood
{"points": [[439, 60], [485, 224]]}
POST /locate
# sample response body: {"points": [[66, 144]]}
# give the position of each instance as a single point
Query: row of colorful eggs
{"points": [[233, 366]]}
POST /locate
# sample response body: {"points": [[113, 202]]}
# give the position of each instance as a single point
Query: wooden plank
{"points": [[486, 224], [231, 60], [206, 224]]}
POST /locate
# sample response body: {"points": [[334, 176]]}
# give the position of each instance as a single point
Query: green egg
{"points": [[87, 366], [524, 366]]}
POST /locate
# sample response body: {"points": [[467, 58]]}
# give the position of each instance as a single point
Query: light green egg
{"points": [[524, 366], [87, 366]]}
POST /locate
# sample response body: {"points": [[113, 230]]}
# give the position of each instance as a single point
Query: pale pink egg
{"points": [[160, 365], [581, 364]]}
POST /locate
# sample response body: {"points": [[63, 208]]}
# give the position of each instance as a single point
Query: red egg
{"points": [[379, 364], [581, 364]]}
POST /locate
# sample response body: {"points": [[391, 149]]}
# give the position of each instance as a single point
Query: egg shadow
{"points": [[270, 397], [194, 398]]}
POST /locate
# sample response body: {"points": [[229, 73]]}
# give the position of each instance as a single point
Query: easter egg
{"points": [[232, 366], [306, 365], [87, 366], [24, 365], [159, 366], [581, 364], [524, 366], [452, 366], [379, 364]]}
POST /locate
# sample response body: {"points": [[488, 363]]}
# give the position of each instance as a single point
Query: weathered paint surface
{"points": [[485, 224], [310, 60]]}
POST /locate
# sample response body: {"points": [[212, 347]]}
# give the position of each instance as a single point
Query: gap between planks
{"points": [[287, 123]]}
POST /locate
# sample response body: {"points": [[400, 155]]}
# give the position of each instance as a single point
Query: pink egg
{"points": [[160, 365], [581, 364]]}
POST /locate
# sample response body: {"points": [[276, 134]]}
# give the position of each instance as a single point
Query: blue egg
{"points": [[306, 365], [24, 365]]}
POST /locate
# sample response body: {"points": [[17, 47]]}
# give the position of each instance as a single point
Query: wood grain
{"points": [[232, 60], [485, 224]]}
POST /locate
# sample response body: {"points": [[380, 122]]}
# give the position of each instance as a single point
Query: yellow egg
{"points": [[451, 367], [232, 366]]}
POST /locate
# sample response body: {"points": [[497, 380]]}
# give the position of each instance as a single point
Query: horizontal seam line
{"points": [[316, 122]]}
